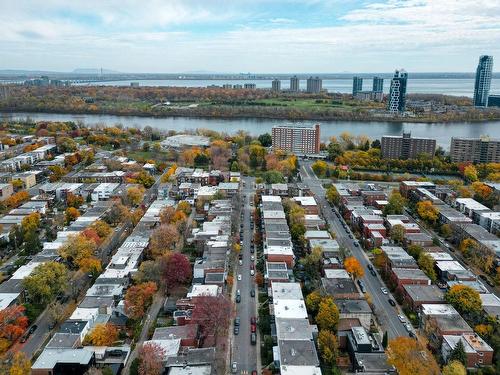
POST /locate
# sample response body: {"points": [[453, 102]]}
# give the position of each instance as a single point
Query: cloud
{"points": [[245, 35]]}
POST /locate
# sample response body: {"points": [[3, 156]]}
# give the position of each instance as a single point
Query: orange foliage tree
{"points": [[102, 335], [138, 299], [411, 357], [352, 265], [13, 323]]}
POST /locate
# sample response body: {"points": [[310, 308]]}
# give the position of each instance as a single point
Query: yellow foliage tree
{"points": [[102, 335], [135, 195], [427, 211], [328, 314], [328, 347], [352, 265], [21, 365], [411, 357], [454, 368]]}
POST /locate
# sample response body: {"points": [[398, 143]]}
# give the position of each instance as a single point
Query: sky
{"points": [[258, 36]]}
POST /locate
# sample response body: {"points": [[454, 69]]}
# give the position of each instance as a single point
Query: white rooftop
{"points": [[305, 201], [289, 308], [203, 290], [291, 291], [299, 370], [489, 299], [449, 265], [438, 309], [336, 274], [271, 198]]}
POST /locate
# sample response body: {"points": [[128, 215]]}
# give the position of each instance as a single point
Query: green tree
{"points": [[446, 230], [415, 251], [328, 315], [334, 150], [458, 354], [426, 264], [235, 167], [397, 233], [396, 204], [273, 177], [320, 167], [45, 282], [265, 140], [312, 263]]}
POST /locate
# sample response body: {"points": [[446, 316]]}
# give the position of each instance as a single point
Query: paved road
{"points": [[387, 315], [243, 352]]}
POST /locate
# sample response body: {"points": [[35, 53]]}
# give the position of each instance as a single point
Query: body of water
{"points": [[442, 132], [447, 86]]}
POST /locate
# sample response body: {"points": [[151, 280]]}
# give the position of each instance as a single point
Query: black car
{"points": [[237, 321], [370, 267], [32, 329], [236, 330], [362, 286], [391, 302], [373, 272], [252, 293], [238, 299]]}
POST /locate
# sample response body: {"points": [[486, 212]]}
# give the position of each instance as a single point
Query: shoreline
{"points": [[249, 116]]}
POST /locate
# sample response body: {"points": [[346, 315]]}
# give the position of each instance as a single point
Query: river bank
{"points": [[442, 132]]}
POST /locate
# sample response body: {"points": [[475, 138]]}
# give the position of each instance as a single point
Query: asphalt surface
{"points": [[387, 315], [242, 351]]}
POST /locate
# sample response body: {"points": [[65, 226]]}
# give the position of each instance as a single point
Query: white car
{"points": [[241, 262], [408, 327], [252, 258], [239, 277], [252, 272], [401, 318], [384, 290]]}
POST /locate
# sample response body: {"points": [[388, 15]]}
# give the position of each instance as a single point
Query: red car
{"points": [[253, 320], [253, 328]]}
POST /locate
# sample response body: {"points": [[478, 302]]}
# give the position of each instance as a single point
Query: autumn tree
{"points": [[427, 211], [151, 359], [145, 179], [454, 368], [397, 233], [117, 214], [213, 315], [71, 214], [31, 222], [45, 282], [411, 356], [78, 249], [313, 300], [13, 323], [328, 347], [415, 251], [312, 263], [135, 195], [219, 152], [426, 264], [102, 228], [185, 207], [328, 314], [138, 298], [320, 167], [102, 335], [163, 239], [74, 200], [352, 265], [458, 353], [177, 270], [21, 364], [332, 195], [470, 173], [446, 230], [464, 298], [396, 204]]}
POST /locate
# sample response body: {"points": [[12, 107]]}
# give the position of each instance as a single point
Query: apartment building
{"points": [[475, 150], [406, 147], [299, 139]]}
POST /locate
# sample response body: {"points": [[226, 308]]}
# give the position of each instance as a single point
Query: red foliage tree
{"points": [[91, 234], [138, 299], [212, 314], [151, 356], [177, 270], [13, 322]]}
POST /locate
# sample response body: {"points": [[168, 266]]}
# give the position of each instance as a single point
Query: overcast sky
{"points": [[262, 36]]}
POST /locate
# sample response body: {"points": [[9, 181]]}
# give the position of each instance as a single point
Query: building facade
{"points": [[397, 93], [378, 84], [475, 150], [357, 85], [276, 85], [299, 139], [294, 84], [314, 85], [406, 147], [483, 81], [494, 101]]}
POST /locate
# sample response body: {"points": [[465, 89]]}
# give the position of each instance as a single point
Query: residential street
{"points": [[387, 315], [243, 352]]}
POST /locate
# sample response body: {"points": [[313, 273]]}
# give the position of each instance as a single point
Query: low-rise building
{"points": [[477, 351], [407, 276], [416, 295]]}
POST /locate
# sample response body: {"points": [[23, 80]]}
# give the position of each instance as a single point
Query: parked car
{"points": [[350, 236], [252, 293], [252, 258], [408, 327], [253, 338], [236, 330], [373, 272], [241, 262], [401, 318], [239, 277], [234, 368], [238, 299], [253, 320], [362, 286], [253, 328], [252, 272], [370, 267], [356, 244], [237, 321], [384, 290], [391, 302]]}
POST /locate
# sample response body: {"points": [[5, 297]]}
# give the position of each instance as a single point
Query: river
{"points": [[442, 132]]}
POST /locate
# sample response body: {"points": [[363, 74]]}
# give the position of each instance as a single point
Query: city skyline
{"points": [[272, 36]]}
